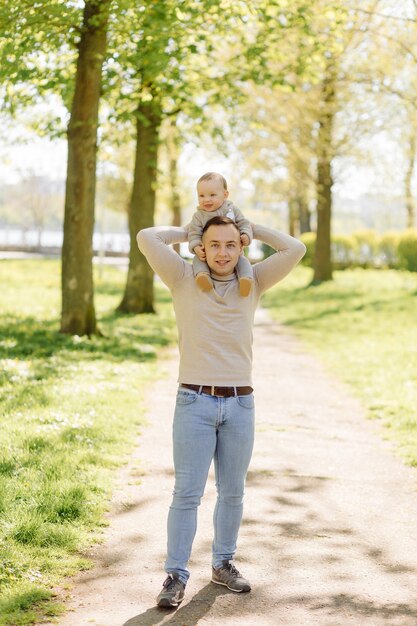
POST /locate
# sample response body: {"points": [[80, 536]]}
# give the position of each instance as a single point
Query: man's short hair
{"points": [[215, 175], [219, 220]]}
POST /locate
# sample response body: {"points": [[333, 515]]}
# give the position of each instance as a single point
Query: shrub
{"points": [[407, 250], [388, 250], [344, 251], [309, 240], [367, 247], [267, 251]]}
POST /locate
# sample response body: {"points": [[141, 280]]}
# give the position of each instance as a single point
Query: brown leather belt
{"points": [[221, 392]]}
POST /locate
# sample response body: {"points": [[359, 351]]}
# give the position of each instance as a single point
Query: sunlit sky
{"points": [[43, 157], [48, 158], [40, 156]]}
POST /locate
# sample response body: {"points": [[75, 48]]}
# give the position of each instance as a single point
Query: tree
{"points": [[411, 160], [36, 201], [382, 70], [166, 69], [78, 313], [298, 130], [138, 294], [337, 37], [37, 51], [37, 54], [322, 257], [172, 149], [279, 144]]}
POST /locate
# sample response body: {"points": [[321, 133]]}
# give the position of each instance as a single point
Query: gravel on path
{"points": [[329, 530]]}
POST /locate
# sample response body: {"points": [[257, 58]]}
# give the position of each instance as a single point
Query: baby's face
{"points": [[211, 194]]}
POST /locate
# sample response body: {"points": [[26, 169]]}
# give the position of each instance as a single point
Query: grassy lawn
{"points": [[69, 412], [70, 407], [363, 325]]}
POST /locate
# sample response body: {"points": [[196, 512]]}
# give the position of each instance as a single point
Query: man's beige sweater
{"points": [[215, 327]]}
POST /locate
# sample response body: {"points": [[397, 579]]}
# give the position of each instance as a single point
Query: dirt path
{"points": [[330, 525]]}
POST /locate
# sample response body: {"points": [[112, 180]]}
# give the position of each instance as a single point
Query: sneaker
{"points": [[172, 592], [245, 286], [204, 281], [230, 577]]}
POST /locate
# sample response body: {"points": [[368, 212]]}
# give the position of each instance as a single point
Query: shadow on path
{"points": [[341, 604], [189, 613]]}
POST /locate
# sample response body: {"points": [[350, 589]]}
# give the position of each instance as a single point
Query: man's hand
{"points": [[244, 239], [200, 252]]}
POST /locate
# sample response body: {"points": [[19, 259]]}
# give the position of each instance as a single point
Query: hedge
{"points": [[366, 248]]}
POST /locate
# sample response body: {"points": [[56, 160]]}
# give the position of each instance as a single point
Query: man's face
{"points": [[211, 194], [223, 247]]}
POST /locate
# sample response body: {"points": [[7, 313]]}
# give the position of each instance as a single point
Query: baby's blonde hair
{"points": [[211, 175]]}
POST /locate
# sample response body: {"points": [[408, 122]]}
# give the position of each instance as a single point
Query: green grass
{"points": [[363, 325], [70, 408]]}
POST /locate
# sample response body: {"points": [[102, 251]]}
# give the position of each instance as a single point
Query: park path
{"points": [[329, 533]]}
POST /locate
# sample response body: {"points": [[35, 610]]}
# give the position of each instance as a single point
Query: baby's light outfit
{"points": [[200, 219]]}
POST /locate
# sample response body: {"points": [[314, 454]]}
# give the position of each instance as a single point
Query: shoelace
{"points": [[170, 582], [232, 569]]}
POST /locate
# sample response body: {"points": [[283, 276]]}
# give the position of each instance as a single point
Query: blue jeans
{"points": [[205, 428]]}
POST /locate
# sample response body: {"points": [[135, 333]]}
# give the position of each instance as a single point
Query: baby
{"points": [[212, 200]]}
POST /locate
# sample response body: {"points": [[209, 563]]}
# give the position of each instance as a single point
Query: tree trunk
{"points": [[39, 233], [138, 296], [302, 190], [409, 201], [322, 256], [304, 216], [78, 314], [299, 194], [172, 149], [292, 214]]}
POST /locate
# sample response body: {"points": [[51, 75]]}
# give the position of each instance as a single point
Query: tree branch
{"points": [[388, 17], [400, 44], [389, 90]]}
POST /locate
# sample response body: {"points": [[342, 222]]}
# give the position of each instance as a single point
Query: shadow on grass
{"points": [[26, 338], [30, 343], [325, 304]]}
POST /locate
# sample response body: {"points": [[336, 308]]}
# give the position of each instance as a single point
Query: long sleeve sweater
{"points": [[215, 328]]}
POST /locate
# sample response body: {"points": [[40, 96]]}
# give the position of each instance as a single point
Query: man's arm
{"points": [[154, 244], [289, 252]]}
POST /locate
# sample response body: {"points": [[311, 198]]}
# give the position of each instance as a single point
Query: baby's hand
{"points": [[200, 252], [244, 239]]}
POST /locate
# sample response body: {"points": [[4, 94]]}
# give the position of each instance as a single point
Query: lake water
{"points": [[106, 242], [115, 242]]}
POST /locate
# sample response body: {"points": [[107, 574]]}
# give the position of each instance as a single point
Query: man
{"points": [[214, 414]]}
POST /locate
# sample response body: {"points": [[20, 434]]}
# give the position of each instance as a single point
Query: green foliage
{"points": [[407, 251], [37, 50], [367, 248], [362, 324], [388, 249], [345, 250], [70, 409], [266, 250], [309, 240], [187, 55]]}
